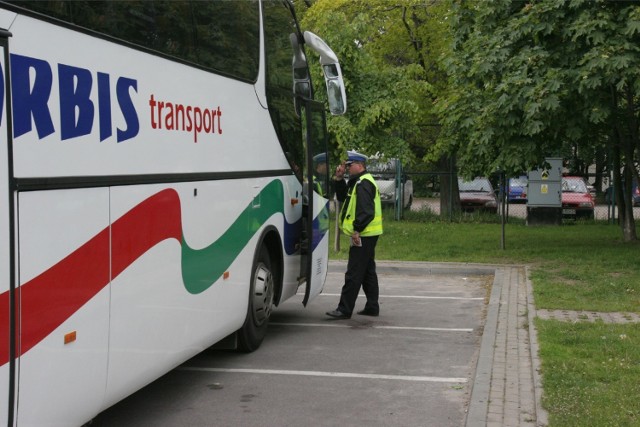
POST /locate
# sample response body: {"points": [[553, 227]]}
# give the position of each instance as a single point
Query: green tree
{"points": [[390, 52], [387, 87], [528, 80]]}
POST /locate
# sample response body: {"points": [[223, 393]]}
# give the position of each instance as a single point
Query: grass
{"points": [[583, 266], [591, 371]]}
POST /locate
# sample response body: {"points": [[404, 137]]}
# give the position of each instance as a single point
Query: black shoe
{"points": [[368, 313], [337, 314]]}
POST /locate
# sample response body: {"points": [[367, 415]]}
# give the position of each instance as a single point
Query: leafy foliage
{"points": [[532, 80], [387, 83], [529, 80]]}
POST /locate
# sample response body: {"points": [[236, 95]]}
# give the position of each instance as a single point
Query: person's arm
{"points": [[339, 183]]}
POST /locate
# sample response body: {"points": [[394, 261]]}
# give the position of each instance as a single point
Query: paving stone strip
{"points": [[587, 316], [507, 388]]}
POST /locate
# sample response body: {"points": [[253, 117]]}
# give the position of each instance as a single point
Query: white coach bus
{"points": [[154, 168]]}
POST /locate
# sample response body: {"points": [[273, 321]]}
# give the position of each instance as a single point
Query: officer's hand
{"points": [[356, 239]]}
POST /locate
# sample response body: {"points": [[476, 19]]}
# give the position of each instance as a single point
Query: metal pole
{"points": [[398, 190], [451, 176], [502, 207], [336, 241]]}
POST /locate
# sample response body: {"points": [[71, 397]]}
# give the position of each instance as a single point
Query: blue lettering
{"points": [[75, 89], [128, 109], [28, 103], [104, 105], [32, 84]]}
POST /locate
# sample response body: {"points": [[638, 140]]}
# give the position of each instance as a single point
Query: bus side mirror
{"points": [[336, 93], [301, 78]]}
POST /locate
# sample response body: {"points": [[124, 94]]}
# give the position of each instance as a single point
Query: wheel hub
{"points": [[262, 295]]}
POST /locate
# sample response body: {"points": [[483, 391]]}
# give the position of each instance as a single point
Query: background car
{"points": [[477, 196], [577, 201], [635, 194], [384, 172], [517, 190]]}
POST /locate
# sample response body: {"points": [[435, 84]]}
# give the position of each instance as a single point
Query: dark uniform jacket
{"points": [[365, 195]]}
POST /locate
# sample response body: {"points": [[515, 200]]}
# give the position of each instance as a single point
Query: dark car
{"points": [[577, 201], [517, 191], [477, 196], [635, 194]]}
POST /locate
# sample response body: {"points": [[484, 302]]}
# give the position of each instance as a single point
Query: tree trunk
{"points": [[600, 165], [449, 195], [629, 141], [623, 145], [627, 221]]}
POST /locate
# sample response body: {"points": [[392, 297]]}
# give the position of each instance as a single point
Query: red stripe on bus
{"points": [[156, 219], [52, 297]]}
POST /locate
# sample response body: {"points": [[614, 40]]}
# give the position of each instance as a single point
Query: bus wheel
{"points": [[261, 295]]}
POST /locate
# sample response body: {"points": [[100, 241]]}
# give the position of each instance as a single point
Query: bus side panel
{"points": [[144, 134], [5, 249], [64, 305], [170, 299]]}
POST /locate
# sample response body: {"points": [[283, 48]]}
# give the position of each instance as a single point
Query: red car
{"points": [[577, 201], [477, 195]]}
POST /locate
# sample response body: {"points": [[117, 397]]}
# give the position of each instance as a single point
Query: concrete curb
{"points": [[479, 403], [542, 417], [420, 268]]}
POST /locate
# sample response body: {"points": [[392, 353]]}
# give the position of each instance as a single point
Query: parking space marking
{"points": [[327, 374], [409, 328], [413, 297]]}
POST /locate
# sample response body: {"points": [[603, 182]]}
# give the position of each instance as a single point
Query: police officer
{"points": [[361, 219], [320, 166]]}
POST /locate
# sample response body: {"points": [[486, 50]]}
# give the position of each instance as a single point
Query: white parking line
{"points": [[409, 328], [412, 297], [328, 374]]}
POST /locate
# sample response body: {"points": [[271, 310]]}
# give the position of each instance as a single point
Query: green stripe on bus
{"points": [[203, 267]]}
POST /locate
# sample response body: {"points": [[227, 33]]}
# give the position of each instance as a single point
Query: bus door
{"points": [[6, 243], [316, 194], [64, 294], [62, 285]]}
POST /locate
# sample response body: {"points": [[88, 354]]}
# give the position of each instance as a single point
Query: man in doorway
{"points": [[360, 218]]}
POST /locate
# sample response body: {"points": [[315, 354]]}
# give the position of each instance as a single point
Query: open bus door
{"points": [[7, 270], [315, 208]]}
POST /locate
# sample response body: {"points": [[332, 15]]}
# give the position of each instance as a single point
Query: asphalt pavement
{"points": [[506, 387], [454, 346]]}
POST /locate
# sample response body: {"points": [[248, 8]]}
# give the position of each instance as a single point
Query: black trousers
{"points": [[361, 271]]}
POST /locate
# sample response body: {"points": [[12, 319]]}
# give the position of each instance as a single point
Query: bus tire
{"points": [[261, 296]]}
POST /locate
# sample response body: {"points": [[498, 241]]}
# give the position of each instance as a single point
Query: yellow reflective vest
{"points": [[374, 228]]}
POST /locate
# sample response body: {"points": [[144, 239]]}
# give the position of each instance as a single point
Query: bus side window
{"points": [[222, 36], [280, 96]]}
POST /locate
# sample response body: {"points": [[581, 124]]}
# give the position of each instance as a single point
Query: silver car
{"points": [[384, 172]]}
